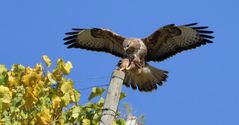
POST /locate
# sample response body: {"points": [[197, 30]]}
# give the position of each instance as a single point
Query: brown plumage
{"points": [[160, 45]]}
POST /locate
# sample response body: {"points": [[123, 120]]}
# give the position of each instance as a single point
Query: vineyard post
{"points": [[112, 98]]}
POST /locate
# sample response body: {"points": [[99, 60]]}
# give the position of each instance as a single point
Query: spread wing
{"points": [[96, 39], [170, 40]]}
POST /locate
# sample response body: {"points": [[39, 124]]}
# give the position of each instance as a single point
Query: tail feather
{"points": [[160, 75], [133, 81], [146, 80]]}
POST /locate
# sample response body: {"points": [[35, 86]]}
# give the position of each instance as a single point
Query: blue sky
{"points": [[203, 84]]}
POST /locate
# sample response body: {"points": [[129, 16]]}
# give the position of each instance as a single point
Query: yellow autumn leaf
{"points": [[76, 96], [33, 121], [56, 102], [67, 67], [38, 87], [57, 74], [75, 111], [11, 80], [32, 76], [5, 94], [42, 97], [49, 78], [60, 62], [30, 98], [27, 76], [44, 117], [66, 86], [66, 99], [61, 120], [47, 60], [24, 122], [38, 68], [62, 68]]}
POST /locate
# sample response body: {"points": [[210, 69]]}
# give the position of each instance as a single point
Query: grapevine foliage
{"points": [[30, 96]]}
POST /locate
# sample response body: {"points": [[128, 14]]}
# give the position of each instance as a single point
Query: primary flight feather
{"points": [[136, 52]]}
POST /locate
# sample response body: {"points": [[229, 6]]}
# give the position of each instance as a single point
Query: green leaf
{"points": [[16, 123], [24, 115], [120, 122], [3, 71], [3, 79], [75, 112], [96, 92], [33, 96], [86, 122], [101, 102], [77, 96], [18, 68], [2, 68], [17, 101], [96, 119], [122, 95], [66, 99]]}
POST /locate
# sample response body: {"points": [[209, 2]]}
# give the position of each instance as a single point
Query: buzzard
{"points": [[136, 52]]}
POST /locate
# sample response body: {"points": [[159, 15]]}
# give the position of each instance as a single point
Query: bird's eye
{"points": [[128, 45]]}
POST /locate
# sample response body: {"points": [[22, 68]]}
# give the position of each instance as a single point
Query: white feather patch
{"points": [[146, 70]]}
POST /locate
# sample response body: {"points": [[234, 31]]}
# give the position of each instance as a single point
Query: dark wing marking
{"points": [[96, 39], [170, 40]]}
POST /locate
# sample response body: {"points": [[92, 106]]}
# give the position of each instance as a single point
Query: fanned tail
{"points": [[146, 80]]}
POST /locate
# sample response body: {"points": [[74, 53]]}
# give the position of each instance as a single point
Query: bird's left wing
{"points": [[170, 40], [96, 39]]}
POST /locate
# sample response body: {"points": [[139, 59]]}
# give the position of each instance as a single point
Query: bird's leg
{"points": [[130, 64], [129, 67], [124, 64], [137, 62], [140, 64], [122, 68], [141, 68]]}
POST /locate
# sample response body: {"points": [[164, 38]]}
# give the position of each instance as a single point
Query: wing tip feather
{"points": [[207, 41], [206, 36], [70, 37], [190, 24], [77, 29], [69, 42], [73, 45]]}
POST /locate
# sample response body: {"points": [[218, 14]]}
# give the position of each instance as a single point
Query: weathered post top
{"points": [[112, 97]]}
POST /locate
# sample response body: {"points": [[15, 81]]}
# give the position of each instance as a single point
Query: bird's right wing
{"points": [[170, 40], [96, 39]]}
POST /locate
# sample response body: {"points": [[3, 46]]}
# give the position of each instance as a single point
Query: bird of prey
{"points": [[136, 52]]}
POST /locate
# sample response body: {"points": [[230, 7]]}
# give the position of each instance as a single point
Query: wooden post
{"points": [[131, 120], [112, 98]]}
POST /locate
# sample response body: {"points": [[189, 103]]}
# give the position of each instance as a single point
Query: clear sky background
{"points": [[203, 85]]}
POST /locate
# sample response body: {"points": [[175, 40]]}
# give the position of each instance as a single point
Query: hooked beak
{"points": [[125, 49]]}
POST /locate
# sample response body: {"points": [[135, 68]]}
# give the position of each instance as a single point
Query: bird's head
{"points": [[128, 45]]}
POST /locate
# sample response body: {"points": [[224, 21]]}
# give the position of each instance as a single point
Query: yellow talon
{"points": [[121, 69], [128, 68]]}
